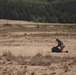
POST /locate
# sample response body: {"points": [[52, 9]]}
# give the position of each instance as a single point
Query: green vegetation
{"points": [[53, 11]]}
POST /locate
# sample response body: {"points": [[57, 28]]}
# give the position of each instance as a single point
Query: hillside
{"points": [[52, 11]]}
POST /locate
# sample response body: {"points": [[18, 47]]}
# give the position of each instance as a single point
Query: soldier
{"points": [[60, 44]]}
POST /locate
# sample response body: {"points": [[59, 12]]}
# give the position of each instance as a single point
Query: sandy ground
{"points": [[32, 46], [31, 43]]}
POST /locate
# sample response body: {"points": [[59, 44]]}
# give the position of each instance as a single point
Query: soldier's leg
{"points": [[62, 47]]}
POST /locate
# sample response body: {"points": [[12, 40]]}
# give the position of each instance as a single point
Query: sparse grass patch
{"points": [[47, 60], [48, 56], [69, 26], [65, 27], [38, 60], [19, 59], [45, 26], [19, 25], [7, 25], [38, 54], [9, 56]]}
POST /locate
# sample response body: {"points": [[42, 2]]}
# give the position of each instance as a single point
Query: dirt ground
{"points": [[34, 41]]}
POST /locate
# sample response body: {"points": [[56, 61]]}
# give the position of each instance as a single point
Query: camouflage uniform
{"points": [[60, 44]]}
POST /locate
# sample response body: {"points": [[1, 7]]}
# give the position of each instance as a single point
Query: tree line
{"points": [[52, 11]]}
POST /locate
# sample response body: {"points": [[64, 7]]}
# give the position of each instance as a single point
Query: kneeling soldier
{"points": [[60, 44]]}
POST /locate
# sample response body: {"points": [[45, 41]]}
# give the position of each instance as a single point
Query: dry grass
{"points": [[37, 60], [7, 25], [19, 59]]}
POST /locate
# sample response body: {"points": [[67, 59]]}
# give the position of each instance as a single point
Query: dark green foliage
{"points": [[53, 11]]}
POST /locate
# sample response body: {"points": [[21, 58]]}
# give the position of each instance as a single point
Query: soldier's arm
{"points": [[58, 45]]}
